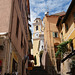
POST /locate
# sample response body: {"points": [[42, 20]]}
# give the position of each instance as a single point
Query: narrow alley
{"points": [[38, 71], [37, 37]]}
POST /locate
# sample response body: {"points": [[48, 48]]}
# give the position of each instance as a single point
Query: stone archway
{"points": [[55, 46]]}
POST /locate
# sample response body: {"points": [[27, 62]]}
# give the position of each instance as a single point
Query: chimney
{"points": [[46, 13]]}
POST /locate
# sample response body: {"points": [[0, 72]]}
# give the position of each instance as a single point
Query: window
{"points": [[67, 27], [62, 37], [36, 34], [42, 47], [55, 34], [36, 27], [21, 40], [17, 28], [25, 46], [74, 15], [36, 21]]}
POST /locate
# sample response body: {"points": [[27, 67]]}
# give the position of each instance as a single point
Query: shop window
{"points": [[36, 27], [17, 28]]}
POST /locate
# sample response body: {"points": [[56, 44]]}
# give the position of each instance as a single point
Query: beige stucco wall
{"points": [[49, 40], [5, 12]]}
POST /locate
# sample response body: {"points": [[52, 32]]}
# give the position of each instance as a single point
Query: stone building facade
{"points": [[66, 27], [14, 16], [51, 40]]}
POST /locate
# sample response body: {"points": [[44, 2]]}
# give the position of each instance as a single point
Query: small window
{"points": [[74, 15], [62, 35], [55, 34], [25, 46], [36, 21], [42, 47], [17, 28], [36, 27], [36, 34], [21, 40], [67, 27]]}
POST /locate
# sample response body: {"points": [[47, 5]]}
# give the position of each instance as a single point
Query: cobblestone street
{"points": [[38, 71]]}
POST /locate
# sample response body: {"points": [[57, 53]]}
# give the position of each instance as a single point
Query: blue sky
{"points": [[39, 7]]}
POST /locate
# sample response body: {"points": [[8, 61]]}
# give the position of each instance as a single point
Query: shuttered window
{"points": [[55, 34]]}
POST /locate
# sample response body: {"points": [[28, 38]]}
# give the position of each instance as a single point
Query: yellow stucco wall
{"points": [[36, 50], [36, 39]]}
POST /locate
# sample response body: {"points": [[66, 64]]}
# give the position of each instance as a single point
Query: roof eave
{"points": [[69, 11]]}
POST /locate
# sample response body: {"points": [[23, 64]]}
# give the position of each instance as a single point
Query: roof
{"points": [[59, 14], [37, 18], [59, 19], [69, 10]]}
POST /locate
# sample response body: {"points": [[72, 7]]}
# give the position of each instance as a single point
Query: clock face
{"points": [[37, 35]]}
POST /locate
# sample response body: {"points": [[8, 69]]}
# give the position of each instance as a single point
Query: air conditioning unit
{"points": [[1, 43]]}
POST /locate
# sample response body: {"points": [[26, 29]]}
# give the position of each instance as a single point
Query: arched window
{"points": [[36, 27]]}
